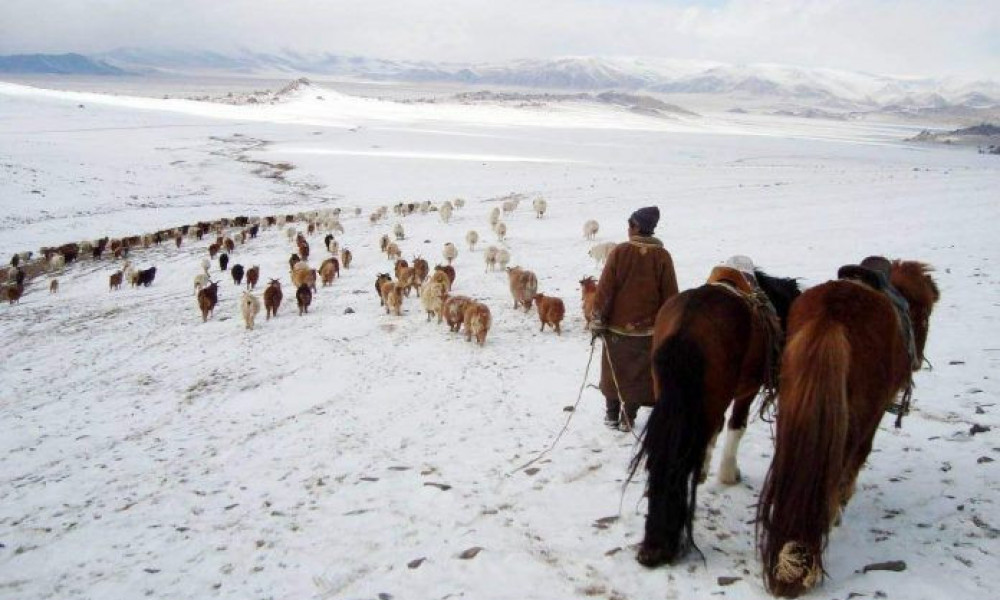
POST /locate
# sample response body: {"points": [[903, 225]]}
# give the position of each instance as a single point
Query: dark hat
{"points": [[879, 264], [645, 219]]}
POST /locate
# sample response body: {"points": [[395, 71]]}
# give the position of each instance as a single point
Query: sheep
{"points": [[590, 229], [249, 306], [503, 257], [501, 231], [454, 311], [253, 274], [346, 257], [53, 286], [200, 281], [115, 281], [432, 298], [397, 230], [58, 261], [600, 252], [373, 218], [420, 270], [303, 296], [223, 261], [471, 238], [272, 299], [494, 216], [329, 270], [539, 205], [477, 322], [523, 286], [459, 202], [510, 206], [490, 256], [450, 252], [551, 311], [208, 297], [237, 273], [205, 265], [588, 289], [290, 232], [392, 251], [336, 226], [445, 213]]}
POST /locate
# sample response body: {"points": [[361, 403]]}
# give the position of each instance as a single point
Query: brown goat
{"points": [[213, 249], [208, 297], [477, 322], [392, 298], [345, 258], [272, 299], [253, 274], [449, 271], [588, 291], [551, 311], [304, 297], [329, 270], [523, 286], [115, 281], [454, 311], [420, 270]]}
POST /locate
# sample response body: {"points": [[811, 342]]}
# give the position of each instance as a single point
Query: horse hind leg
{"points": [[729, 471], [707, 464]]}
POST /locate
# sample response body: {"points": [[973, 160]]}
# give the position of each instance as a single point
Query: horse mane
{"points": [[911, 272], [781, 291]]}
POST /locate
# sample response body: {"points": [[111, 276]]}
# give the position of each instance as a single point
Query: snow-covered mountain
{"points": [[836, 89]]}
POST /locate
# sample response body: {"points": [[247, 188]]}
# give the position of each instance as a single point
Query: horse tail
{"points": [[800, 499], [673, 446]]}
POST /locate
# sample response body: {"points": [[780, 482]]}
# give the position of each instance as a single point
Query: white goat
{"points": [[600, 252], [450, 252], [249, 306], [590, 229], [540, 205], [490, 256], [503, 257], [471, 238]]}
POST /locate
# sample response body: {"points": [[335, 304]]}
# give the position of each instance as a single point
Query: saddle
{"points": [[874, 272], [723, 275]]}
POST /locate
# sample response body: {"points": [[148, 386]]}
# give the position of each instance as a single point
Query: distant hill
{"points": [[57, 64]]}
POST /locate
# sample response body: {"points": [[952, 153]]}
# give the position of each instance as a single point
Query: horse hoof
{"points": [[650, 556], [731, 478]]}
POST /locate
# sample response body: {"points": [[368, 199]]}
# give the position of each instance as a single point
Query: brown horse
{"points": [[711, 345], [845, 362]]}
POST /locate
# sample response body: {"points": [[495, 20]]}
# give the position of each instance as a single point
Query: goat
{"points": [[501, 231], [292, 260], [392, 251], [208, 297], [200, 281], [146, 277], [53, 286], [510, 206], [346, 257], [392, 298], [223, 261], [379, 280], [397, 230], [272, 299], [303, 275], [400, 264], [471, 238], [590, 229], [440, 277], [420, 270], [449, 271], [459, 202], [454, 311], [303, 296], [115, 281], [523, 286], [494, 216], [477, 322], [600, 252], [551, 311], [213, 250], [328, 270], [237, 273], [12, 293], [445, 213], [253, 274], [249, 306], [588, 287]]}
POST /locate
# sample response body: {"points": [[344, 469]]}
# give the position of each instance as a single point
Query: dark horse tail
{"points": [[801, 496], [673, 446]]}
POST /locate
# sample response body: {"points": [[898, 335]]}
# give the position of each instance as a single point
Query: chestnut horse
{"points": [[845, 362], [711, 345]]}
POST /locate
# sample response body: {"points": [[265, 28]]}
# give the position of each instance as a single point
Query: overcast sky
{"points": [[901, 37]]}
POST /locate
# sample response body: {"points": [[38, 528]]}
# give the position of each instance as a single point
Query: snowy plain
{"points": [[358, 455]]}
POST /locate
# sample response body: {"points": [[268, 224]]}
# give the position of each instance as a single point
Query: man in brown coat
{"points": [[638, 278]]}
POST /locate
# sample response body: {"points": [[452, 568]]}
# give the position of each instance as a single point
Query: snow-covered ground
{"points": [[358, 455]]}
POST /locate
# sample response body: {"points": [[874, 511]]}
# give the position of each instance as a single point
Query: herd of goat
{"points": [[432, 287]]}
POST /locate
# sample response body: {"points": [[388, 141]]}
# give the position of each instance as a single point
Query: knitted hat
{"points": [[741, 263], [645, 219]]}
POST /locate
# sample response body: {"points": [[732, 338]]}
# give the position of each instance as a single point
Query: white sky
{"points": [[902, 37]]}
